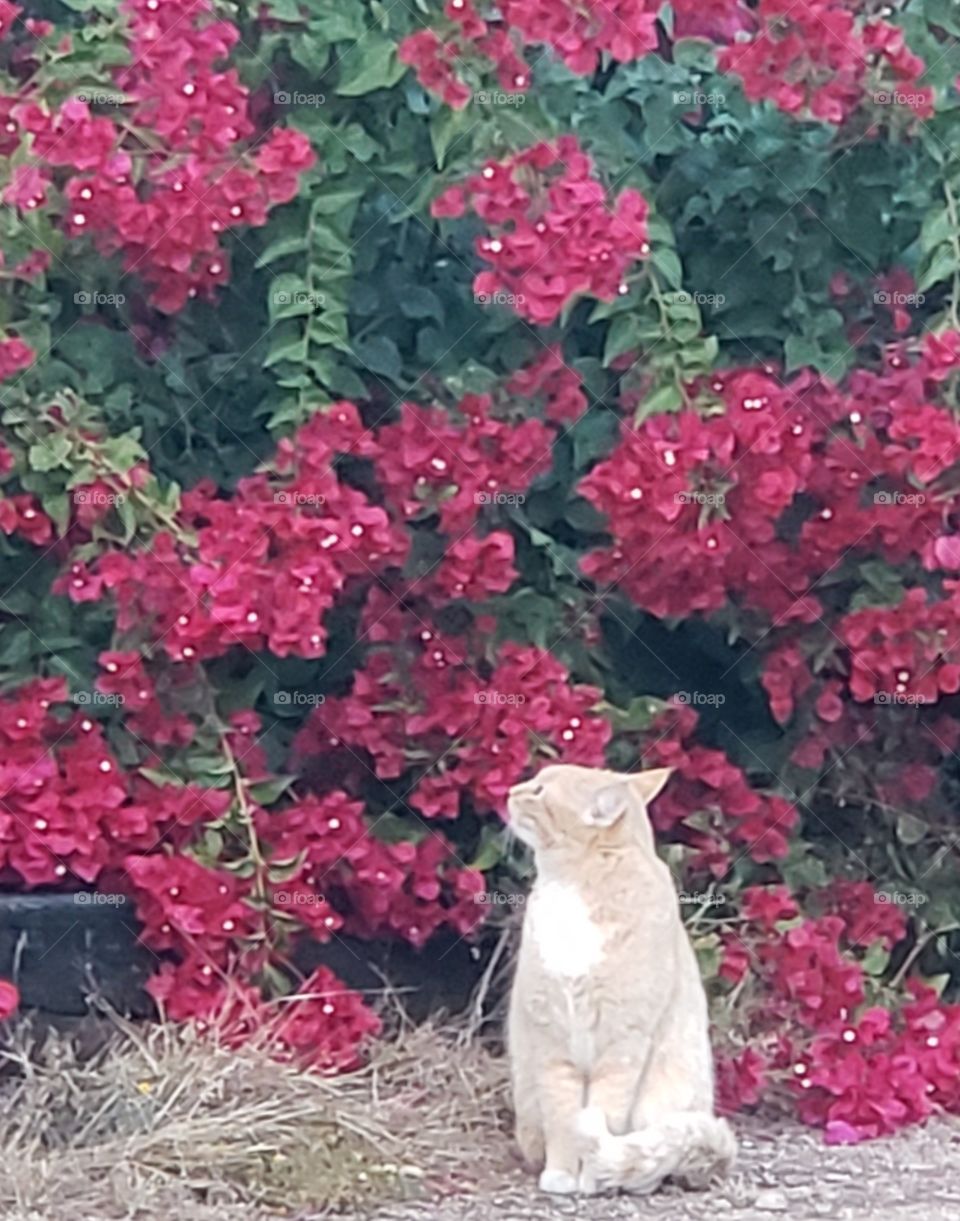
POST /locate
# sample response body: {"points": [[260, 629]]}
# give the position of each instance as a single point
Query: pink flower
{"points": [[9, 999]]}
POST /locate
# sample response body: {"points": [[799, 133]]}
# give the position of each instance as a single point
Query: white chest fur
{"points": [[562, 931]]}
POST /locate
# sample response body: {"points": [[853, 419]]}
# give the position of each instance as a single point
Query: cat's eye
{"points": [[538, 791]]}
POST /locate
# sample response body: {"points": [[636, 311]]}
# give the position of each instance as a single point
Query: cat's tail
{"points": [[690, 1145]]}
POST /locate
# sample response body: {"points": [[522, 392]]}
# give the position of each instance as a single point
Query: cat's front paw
{"points": [[558, 1182]]}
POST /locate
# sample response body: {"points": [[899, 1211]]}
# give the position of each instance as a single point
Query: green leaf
{"points": [[939, 266], [622, 336], [381, 355], [369, 65], [335, 202], [293, 243], [802, 351], [345, 24], [446, 127], [419, 302], [667, 262], [160, 778], [666, 398], [287, 343], [291, 297], [638, 716], [57, 506], [266, 792], [876, 960], [50, 453], [490, 851]]}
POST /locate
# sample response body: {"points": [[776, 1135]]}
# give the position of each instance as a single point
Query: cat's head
{"points": [[566, 805]]}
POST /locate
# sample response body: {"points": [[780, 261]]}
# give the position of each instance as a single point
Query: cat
{"points": [[610, 1057]]}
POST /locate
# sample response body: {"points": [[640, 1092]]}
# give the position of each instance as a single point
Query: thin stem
{"points": [[918, 949]]}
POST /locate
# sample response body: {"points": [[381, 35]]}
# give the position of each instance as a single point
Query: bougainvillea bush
{"points": [[397, 399]]}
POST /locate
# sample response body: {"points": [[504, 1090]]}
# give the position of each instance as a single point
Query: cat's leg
{"points": [[612, 1096], [528, 1121], [561, 1098], [615, 1083]]}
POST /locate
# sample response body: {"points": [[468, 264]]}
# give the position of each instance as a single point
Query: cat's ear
{"points": [[647, 785], [609, 805]]}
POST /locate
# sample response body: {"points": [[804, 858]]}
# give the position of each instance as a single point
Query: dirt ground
{"points": [[784, 1171], [152, 1126]]}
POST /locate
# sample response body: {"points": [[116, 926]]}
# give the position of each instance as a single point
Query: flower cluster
{"points": [[709, 804], [581, 33], [822, 58], [552, 379], [260, 568], [698, 507], [553, 234], [409, 705], [429, 462], [440, 62], [857, 1070], [162, 186], [73, 816], [322, 1024], [69, 811], [408, 889]]}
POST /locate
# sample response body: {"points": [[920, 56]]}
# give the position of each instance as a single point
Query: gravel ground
{"points": [[783, 1170]]}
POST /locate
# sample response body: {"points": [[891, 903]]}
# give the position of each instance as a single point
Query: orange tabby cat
{"points": [[609, 1050]]}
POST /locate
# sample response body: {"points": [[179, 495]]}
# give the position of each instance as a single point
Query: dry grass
{"points": [[158, 1124]]}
